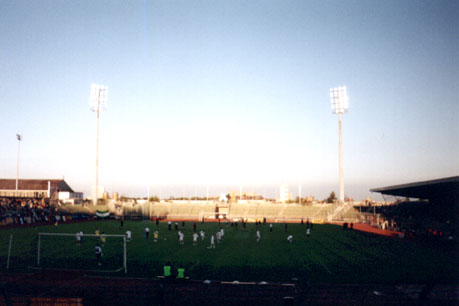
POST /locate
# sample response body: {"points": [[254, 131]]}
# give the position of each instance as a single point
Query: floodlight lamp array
{"points": [[98, 97], [339, 100]]}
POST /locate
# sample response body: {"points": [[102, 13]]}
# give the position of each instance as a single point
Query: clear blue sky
{"points": [[230, 93]]}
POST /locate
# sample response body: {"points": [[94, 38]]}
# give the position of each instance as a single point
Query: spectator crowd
{"points": [[26, 211]]}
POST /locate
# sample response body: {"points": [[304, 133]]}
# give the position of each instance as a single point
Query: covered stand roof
{"points": [[24, 184], [445, 188]]}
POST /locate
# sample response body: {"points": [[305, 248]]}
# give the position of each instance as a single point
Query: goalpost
{"points": [[73, 236]]}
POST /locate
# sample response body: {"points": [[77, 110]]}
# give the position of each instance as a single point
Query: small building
{"points": [[244, 197], [70, 197]]}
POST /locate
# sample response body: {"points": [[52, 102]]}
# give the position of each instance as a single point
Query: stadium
{"points": [[338, 254]]}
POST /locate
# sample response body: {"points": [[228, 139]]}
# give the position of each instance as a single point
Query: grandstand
{"points": [[36, 188], [427, 209], [197, 210]]}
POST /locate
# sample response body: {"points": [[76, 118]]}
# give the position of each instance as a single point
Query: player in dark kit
{"points": [[98, 254]]}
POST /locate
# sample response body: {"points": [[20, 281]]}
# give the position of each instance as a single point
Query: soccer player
{"points": [[212, 242], [103, 238], [155, 236], [128, 235], [147, 232], [169, 224], [97, 232], [222, 232], [258, 236], [195, 239], [98, 254], [202, 234], [308, 232], [219, 236], [290, 238], [270, 227], [78, 238], [181, 238]]}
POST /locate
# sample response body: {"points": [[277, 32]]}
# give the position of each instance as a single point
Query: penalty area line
{"points": [[323, 265]]}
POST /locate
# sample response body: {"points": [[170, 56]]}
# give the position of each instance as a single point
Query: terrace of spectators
{"points": [[24, 210]]}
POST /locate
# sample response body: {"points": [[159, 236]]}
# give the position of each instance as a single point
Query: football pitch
{"points": [[330, 254]]}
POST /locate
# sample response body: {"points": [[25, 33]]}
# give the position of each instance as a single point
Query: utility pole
{"points": [[19, 138]]}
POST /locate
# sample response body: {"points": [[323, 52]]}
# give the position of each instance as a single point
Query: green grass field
{"points": [[329, 255]]}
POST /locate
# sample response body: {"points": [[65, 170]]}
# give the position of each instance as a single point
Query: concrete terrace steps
{"points": [[271, 211], [129, 291]]}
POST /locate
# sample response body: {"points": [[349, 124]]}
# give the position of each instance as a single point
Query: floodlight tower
{"points": [[339, 105], [98, 102]]}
